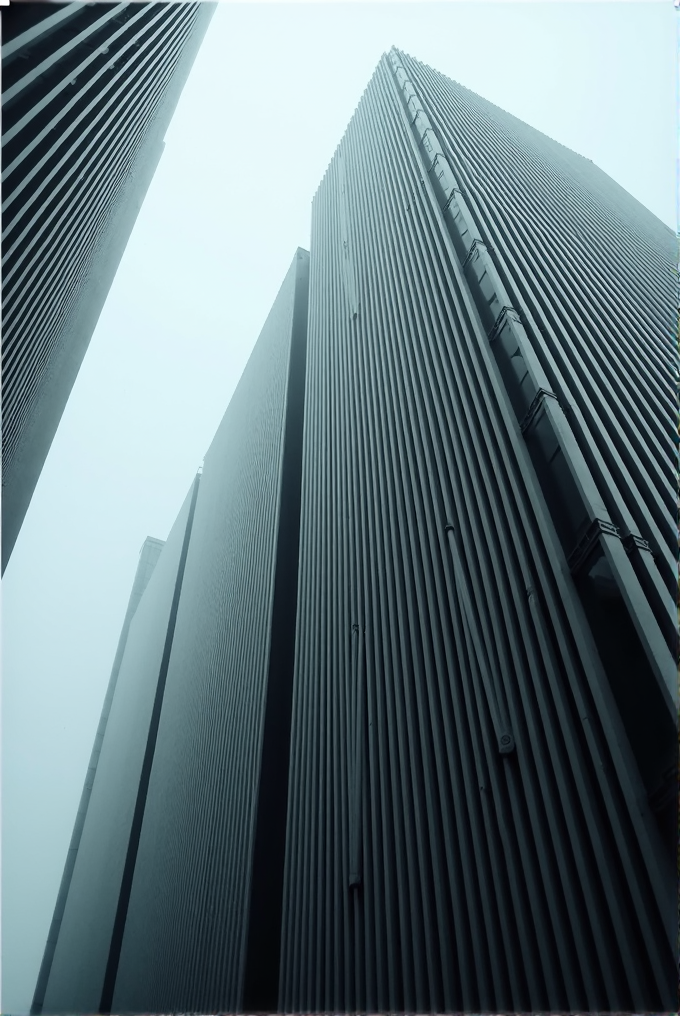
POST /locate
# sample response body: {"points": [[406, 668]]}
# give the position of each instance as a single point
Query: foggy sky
{"points": [[266, 104]]}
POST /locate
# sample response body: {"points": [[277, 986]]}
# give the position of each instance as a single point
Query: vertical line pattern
{"points": [[506, 880], [200, 875]]}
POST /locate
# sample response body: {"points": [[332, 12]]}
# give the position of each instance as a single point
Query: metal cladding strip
{"points": [[503, 170], [148, 558], [634, 801], [348, 266], [535, 870], [525, 378], [52, 103], [196, 919]]}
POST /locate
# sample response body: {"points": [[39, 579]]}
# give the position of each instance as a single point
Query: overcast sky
{"points": [[267, 102]]}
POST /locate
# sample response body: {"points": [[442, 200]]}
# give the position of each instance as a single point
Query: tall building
{"points": [[211, 642], [203, 925], [148, 558], [88, 91], [418, 743], [482, 803], [85, 934]]}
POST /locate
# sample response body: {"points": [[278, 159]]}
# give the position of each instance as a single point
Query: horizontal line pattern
{"points": [[184, 945], [488, 878]]}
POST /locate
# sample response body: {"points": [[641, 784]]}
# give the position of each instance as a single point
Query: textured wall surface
{"points": [[186, 940], [481, 811], [81, 957], [87, 93], [148, 559]]}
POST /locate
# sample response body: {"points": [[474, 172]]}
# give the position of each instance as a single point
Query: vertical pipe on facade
{"points": [[506, 742], [378, 934], [290, 936], [358, 551], [341, 549], [340, 618], [354, 785]]}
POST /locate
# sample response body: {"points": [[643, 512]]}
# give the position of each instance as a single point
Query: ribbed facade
{"points": [[203, 925], [483, 744], [418, 744], [148, 559], [92, 904], [87, 93]]}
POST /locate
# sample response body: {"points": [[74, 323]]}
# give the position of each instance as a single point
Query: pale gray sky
{"points": [[268, 100]]}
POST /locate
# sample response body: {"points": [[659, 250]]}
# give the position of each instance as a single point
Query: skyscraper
{"points": [[88, 91], [483, 762], [90, 909], [203, 693], [148, 558], [418, 743]]}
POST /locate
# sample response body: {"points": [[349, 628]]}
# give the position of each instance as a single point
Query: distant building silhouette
{"points": [[88, 91], [148, 559], [418, 748]]}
